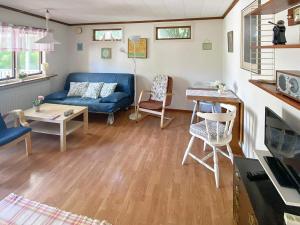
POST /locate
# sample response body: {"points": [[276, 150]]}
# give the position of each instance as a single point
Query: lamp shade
{"points": [[48, 39]]}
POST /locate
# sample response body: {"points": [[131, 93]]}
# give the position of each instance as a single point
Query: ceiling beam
{"points": [[230, 8]]}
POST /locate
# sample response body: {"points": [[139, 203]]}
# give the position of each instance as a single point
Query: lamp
{"points": [[134, 39], [49, 38]]}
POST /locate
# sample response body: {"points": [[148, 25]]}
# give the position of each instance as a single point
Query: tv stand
{"points": [[279, 172], [290, 196]]}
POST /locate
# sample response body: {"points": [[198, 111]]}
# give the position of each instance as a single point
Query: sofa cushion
{"points": [[108, 89], [10, 134], [57, 95], [93, 90], [114, 97], [2, 123], [78, 88]]}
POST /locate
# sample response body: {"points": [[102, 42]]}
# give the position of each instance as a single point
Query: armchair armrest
{"points": [[19, 117], [141, 95]]}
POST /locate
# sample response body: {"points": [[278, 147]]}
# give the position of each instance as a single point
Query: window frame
{"points": [[107, 29], [170, 27], [15, 74]]}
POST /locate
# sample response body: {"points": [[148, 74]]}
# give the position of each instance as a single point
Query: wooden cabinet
{"points": [[256, 202]]}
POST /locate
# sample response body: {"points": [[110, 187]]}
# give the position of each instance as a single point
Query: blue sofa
{"points": [[122, 98]]}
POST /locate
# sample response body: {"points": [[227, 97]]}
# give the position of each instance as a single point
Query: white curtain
{"points": [[17, 38]]}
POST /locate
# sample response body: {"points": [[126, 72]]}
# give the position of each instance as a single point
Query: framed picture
{"points": [[230, 41], [250, 56], [140, 48], [106, 53], [80, 46], [207, 45]]}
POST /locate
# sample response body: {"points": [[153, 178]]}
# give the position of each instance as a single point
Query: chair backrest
{"points": [[227, 119], [161, 86], [2, 123]]}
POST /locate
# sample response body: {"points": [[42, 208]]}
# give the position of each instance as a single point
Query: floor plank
{"points": [[129, 174]]}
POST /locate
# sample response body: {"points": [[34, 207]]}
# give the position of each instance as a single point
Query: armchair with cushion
{"points": [[160, 97], [14, 135]]}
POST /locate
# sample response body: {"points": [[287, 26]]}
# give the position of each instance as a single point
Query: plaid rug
{"points": [[15, 210]]}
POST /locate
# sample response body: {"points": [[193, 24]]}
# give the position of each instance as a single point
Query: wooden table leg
{"points": [[85, 121], [63, 136]]}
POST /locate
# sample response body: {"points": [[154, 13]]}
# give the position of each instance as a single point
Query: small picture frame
{"points": [[207, 46], [106, 53], [79, 46], [230, 41]]}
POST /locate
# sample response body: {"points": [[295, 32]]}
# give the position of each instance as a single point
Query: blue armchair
{"points": [[12, 136]]}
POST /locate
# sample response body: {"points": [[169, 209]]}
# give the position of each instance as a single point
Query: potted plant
{"points": [[220, 86], [22, 75], [37, 103]]}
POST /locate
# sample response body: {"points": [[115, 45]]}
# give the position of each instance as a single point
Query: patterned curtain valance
{"points": [[18, 38]]}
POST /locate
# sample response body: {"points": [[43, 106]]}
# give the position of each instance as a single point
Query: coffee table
{"points": [[51, 120]]}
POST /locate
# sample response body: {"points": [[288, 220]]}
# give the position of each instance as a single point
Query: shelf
{"points": [[274, 6], [279, 46], [271, 89]]}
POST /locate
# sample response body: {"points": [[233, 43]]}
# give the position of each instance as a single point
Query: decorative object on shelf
{"points": [[207, 45], [137, 48], [22, 75], [134, 39], [44, 67], [288, 83], [37, 102], [279, 33], [220, 86], [49, 38], [230, 41], [106, 53], [79, 46]]}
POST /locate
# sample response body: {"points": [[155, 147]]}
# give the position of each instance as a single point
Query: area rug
{"points": [[15, 210]]}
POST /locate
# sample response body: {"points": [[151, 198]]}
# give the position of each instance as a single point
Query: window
{"points": [[108, 35], [14, 63], [171, 33]]}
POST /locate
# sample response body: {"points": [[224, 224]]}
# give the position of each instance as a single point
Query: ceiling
{"points": [[91, 11]]}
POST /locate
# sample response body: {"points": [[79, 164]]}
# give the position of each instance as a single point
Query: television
{"points": [[284, 144]]}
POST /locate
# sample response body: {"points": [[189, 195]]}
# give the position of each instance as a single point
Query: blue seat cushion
{"points": [[114, 97], [57, 95], [10, 134], [2, 123]]}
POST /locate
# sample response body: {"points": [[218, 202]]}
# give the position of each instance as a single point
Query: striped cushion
{"points": [[199, 129]]}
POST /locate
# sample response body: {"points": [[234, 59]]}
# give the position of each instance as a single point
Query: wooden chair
{"points": [[216, 131], [12, 136], [160, 97]]}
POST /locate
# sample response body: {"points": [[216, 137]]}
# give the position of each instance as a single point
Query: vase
{"points": [[45, 67], [36, 108]]}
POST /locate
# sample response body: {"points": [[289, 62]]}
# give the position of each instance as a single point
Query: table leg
{"points": [[85, 121], [63, 136], [197, 110]]}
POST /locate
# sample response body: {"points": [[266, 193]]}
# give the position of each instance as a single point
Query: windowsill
{"points": [[27, 80]]}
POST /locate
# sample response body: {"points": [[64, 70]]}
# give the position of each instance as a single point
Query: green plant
{"points": [[22, 75], [38, 101]]}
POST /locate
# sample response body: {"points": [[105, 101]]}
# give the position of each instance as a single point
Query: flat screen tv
{"points": [[284, 144]]}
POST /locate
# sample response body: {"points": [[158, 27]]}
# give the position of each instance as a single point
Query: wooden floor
{"points": [[128, 174]]}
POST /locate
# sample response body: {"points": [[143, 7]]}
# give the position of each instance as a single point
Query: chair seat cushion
{"points": [[152, 105], [199, 129], [10, 134]]}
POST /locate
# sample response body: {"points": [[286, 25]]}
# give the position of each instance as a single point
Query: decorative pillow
{"points": [[78, 88], [114, 97], [159, 88], [93, 90], [108, 89]]}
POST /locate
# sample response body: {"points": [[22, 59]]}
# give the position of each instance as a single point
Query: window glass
{"points": [[29, 62], [6, 65], [108, 35], [165, 33]]}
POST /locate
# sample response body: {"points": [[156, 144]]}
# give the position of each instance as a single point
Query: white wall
{"points": [[21, 96], [184, 60], [254, 98]]}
